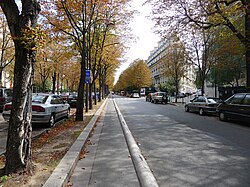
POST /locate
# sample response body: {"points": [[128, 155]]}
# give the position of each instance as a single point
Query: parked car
{"points": [[159, 97], [237, 107], [72, 99], [46, 109], [135, 95], [203, 105], [5, 96], [65, 95], [181, 95]]}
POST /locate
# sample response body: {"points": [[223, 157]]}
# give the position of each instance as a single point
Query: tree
{"points": [[135, 77], [208, 14], [22, 27], [174, 62], [201, 53], [229, 67], [80, 21]]}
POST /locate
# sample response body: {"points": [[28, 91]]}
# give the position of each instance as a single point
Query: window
{"points": [[201, 99], [8, 92], [246, 100], [237, 99], [54, 100], [39, 98]]}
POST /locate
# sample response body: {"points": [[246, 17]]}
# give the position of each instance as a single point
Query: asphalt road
{"points": [[185, 149]]}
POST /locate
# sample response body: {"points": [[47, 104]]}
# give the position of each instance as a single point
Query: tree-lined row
{"points": [[76, 36], [135, 77]]}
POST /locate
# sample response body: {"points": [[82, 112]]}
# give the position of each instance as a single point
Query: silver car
{"points": [[46, 109], [159, 97], [203, 105]]}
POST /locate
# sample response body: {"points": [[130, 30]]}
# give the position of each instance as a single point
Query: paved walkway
{"points": [[107, 161]]}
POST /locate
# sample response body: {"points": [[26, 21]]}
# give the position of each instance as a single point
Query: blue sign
{"points": [[87, 76], [87, 73]]}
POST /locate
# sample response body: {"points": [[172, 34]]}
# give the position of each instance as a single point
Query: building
{"points": [[156, 66]]}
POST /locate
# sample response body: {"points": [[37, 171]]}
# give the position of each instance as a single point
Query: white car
{"points": [[135, 95], [46, 109]]}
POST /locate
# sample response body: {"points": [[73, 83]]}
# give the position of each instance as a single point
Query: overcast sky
{"points": [[146, 39]]}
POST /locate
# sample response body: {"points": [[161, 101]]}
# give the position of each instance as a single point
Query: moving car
{"points": [[135, 95], [46, 109], [159, 97], [236, 107], [203, 105], [5, 97]]}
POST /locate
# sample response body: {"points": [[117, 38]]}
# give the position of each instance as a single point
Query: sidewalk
{"points": [[107, 161]]}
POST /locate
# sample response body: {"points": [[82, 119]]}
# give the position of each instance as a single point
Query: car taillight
{"points": [[7, 107], [38, 109], [156, 94]]}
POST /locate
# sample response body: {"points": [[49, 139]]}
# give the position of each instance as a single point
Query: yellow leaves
{"points": [[136, 76], [32, 38]]}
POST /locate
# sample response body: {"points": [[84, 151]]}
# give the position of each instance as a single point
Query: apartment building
{"points": [[156, 65]]}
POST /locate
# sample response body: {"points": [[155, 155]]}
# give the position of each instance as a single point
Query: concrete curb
{"points": [[62, 173], [144, 174]]}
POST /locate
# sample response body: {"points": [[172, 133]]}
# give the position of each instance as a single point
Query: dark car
{"points": [[237, 107], [203, 105], [72, 100], [5, 97]]}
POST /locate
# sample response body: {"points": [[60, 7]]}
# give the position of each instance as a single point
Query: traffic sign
{"points": [[87, 76]]}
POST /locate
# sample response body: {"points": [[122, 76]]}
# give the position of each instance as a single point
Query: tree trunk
{"points": [[58, 83], [54, 82], [90, 97], [95, 100], [100, 89], [18, 149], [86, 98], [80, 98], [247, 45], [1, 73]]}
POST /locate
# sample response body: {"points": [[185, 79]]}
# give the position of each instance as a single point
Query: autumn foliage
{"points": [[135, 77]]}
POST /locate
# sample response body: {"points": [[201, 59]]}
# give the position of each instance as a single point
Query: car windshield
{"points": [[73, 96], [39, 98], [210, 100]]}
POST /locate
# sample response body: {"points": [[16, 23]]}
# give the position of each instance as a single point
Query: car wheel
{"points": [[52, 121], [201, 112], [186, 108], [222, 116], [155, 102]]}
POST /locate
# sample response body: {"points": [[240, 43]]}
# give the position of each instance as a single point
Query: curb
{"points": [[144, 173], [62, 173]]}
